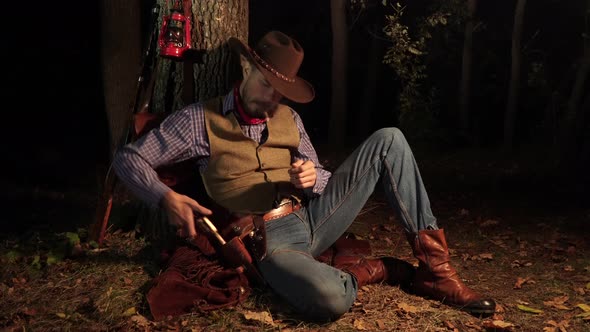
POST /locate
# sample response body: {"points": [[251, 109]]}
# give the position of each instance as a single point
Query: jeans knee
{"points": [[389, 132], [329, 305]]}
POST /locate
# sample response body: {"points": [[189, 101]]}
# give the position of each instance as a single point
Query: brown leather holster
{"points": [[242, 243], [245, 236]]}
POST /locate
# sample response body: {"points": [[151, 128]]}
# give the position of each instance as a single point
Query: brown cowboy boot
{"points": [[375, 270], [436, 278]]}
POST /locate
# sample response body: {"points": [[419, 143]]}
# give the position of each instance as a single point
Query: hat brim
{"points": [[299, 91]]}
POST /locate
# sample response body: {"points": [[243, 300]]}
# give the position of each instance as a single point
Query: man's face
{"points": [[259, 98]]}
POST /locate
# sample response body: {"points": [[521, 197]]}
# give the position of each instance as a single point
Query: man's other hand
{"points": [[303, 174]]}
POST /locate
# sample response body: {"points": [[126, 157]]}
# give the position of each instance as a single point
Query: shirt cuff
{"points": [[156, 194]]}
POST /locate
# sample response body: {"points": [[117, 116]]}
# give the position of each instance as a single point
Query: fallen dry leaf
{"points": [[360, 325], [486, 256], [498, 325], [451, 326], [489, 222], [407, 307], [263, 317], [580, 291], [500, 243], [140, 321], [556, 327], [473, 325], [29, 311], [380, 324], [558, 302], [130, 312], [517, 263], [521, 281]]}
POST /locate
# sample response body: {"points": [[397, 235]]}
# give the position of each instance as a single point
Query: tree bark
{"points": [[337, 126], [465, 89], [120, 54], [214, 65], [209, 71], [510, 116]]}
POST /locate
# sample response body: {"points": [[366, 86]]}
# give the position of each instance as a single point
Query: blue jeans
{"points": [[318, 290]]}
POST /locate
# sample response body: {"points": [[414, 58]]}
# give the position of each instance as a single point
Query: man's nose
{"points": [[276, 96]]}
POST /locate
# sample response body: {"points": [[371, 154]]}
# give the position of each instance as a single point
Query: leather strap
{"points": [[286, 207]]}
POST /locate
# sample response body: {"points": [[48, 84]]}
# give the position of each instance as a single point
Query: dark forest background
{"points": [[57, 133]]}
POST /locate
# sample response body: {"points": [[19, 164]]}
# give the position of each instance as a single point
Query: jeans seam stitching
{"points": [[400, 202], [345, 197]]}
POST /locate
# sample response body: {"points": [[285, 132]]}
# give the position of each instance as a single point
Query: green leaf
{"points": [[583, 315], [130, 312], [529, 309], [54, 257], [584, 307], [12, 256], [36, 263], [93, 244], [73, 238]]}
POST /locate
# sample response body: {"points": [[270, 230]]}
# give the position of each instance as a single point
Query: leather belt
{"points": [[286, 207]]}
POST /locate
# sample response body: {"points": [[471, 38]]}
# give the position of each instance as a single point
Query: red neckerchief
{"points": [[238, 104]]}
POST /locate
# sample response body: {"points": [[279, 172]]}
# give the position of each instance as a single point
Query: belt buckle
{"points": [[284, 201]]}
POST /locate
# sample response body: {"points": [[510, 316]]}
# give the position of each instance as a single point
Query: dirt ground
{"points": [[515, 234]]}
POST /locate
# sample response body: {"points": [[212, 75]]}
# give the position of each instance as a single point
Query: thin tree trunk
{"points": [[367, 107], [337, 128], [120, 54], [465, 89], [572, 120], [510, 116]]}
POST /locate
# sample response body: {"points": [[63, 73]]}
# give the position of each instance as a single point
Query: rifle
{"points": [[141, 104]]}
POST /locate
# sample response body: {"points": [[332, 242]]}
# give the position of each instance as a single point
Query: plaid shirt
{"points": [[182, 136]]}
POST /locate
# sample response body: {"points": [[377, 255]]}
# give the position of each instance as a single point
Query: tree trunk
{"points": [[465, 89], [120, 54], [572, 122], [208, 72], [213, 66], [337, 128], [367, 107], [510, 116]]}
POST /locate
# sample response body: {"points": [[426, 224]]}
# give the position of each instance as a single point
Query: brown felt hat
{"points": [[278, 57]]}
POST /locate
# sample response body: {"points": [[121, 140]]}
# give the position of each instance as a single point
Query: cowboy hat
{"points": [[278, 57]]}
